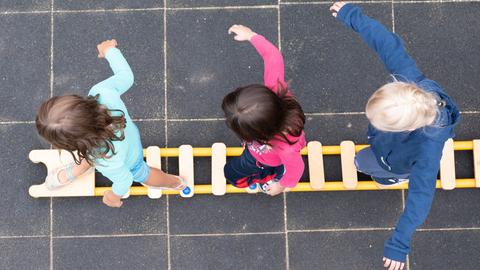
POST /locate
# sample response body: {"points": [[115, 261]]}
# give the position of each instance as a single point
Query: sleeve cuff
{"points": [[111, 53], [394, 254], [345, 11]]}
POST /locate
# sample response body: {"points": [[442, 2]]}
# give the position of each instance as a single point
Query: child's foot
{"points": [[388, 182], [60, 177]]}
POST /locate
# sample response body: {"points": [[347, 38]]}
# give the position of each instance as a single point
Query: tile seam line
{"points": [[108, 235], [227, 234], [52, 29]]}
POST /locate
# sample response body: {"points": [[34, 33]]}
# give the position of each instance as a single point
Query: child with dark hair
{"points": [[270, 122], [98, 131]]}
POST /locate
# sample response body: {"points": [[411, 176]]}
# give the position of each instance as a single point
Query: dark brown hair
{"points": [[81, 124], [256, 113]]}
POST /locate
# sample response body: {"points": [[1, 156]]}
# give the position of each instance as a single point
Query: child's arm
{"points": [[122, 79], [272, 58], [421, 189], [386, 44], [294, 168]]}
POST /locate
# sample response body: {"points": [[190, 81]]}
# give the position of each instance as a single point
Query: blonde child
{"points": [[410, 120]]}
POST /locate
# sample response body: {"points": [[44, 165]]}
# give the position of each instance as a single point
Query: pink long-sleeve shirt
{"points": [[279, 151]]}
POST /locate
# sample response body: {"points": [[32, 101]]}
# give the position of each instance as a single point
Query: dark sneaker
{"points": [[388, 182]]}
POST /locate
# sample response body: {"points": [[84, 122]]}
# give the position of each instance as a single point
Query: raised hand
{"points": [[105, 46], [335, 8], [242, 33]]}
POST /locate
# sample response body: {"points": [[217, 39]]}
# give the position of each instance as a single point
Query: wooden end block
{"points": [[154, 161], [84, 185], [219, 159], [349, 171], [476, 161], [315, 165], [185, 160], [447, 166]]}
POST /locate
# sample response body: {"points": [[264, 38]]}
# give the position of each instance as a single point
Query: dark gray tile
{"points": [[21, 214], [152, 133], [237, 213], [144, 252], [106, 4], [445, 250], [453, 61], [25, 5], [229, 252], [467, 128], [205, 63], [332, 130], [454, 208], [336, 250], [331, 68], [89, 216], [337, 210], [25, 253], [218, 3], [199, 134], [140, 38], [25, 52]]}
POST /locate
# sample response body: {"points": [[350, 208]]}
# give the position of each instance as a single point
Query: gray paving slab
{"points": [[234, 213], [144, 252], [205, 63], [21, 214], [26, 77], [453, 61], [330, 67], [140, 38], [445, 250], [229, 252], [336, 250], [25, 253], [343, 210], [218, 3], [25, 5], [107, 4]]}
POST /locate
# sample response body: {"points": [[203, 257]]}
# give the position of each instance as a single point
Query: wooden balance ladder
{"points": [[85, 184]]}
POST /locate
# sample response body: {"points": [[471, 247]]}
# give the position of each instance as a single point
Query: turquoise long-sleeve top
{"points": [[128, 151]]}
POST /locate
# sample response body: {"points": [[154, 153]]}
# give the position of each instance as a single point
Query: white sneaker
{"points": [[52, 182]]}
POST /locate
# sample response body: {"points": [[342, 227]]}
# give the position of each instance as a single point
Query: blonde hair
{"points": [[400, 106]]}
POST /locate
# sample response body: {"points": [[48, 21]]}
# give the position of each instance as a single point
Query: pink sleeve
{"points": [[272, 61], [294, 166]]}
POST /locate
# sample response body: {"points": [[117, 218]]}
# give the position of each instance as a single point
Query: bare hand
{"points": [[111, 199], [275, 189], [335, 8], [242, 33], [392, 265], [105, 46]]}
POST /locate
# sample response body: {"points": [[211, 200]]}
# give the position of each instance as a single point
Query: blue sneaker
{"points": [[388, 182]]}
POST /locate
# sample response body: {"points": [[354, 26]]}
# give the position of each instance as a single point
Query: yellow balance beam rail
{"points": [[302, 186]]}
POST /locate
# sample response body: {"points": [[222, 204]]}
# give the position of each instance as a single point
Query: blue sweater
{"points": [[129, 150], [417, 152]]}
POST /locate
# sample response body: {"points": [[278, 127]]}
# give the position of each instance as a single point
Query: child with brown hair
{"points": [[98, 128]]}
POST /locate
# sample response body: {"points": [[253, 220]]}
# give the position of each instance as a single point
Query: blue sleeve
{"points": [[116, 171], [421, 189], [122, 78], [386, 44]]}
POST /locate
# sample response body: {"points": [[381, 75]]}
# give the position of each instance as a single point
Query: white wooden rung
{"points": [[476, 161], [315, 165], [185, 160], [447, 166], [219, 159], [154, 161], [84, 185], [349, 171]]}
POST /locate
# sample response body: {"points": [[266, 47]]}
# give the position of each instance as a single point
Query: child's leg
{"points": [[158, 178], [241, 171], [367, 163], [70, 173]]}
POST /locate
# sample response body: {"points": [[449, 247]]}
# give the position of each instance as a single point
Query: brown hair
{"points": [[81, 124], [256, 113]]}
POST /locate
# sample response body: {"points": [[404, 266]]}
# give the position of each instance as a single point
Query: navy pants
{"points": [[367, 163], [245, 170]]}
